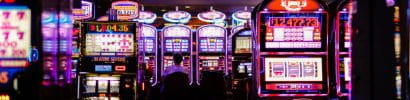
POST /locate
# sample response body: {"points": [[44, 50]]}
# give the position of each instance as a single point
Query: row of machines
{"points": [[293, 56]]}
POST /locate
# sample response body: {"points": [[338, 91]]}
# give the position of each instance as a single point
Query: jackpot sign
{"points": [[126, 9], [14, 36]]}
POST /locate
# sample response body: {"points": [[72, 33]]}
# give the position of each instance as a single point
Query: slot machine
{"points": [[211, 50], [177, 39], [291, 54], [108, 61], [17, 50], [241, 51], [147, 54], [343, 40]]}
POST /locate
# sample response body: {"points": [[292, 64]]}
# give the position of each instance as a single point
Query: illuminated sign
{"points": [[177, 32], [103, 68], [241, 15], [212, 16], [126, 9], [293, 5], [293, 69], [109, 39], [211, 31], [15, 34], [85, 12], [177, 16], [147, 17]]}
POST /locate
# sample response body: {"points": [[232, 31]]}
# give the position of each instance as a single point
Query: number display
{"points": [[294, 21]]}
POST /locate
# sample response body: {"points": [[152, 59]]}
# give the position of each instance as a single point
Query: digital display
{"points": [[177, 45], [177, 39], [243, 45], [15, 34], [103, 68], [294, 21], [126, 9], [85, 12], [293, 69], [148, 40], [294, 31], [211, 39], [109, 40]]}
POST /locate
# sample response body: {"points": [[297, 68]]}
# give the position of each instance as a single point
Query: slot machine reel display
{"points": [[108, 60], [147, 55], [211, 50], [342, 53], [292, 55], [15, 47], [177, 39]]}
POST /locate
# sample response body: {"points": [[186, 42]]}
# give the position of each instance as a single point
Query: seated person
{"points": [[176, 67], [175, 86]]}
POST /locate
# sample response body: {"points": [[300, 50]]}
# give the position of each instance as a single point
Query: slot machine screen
{"points": [[15, 36], [243, 44], [293, 31], [149, 39], [177, 39], [109, 40], [211, 39], [293, 69]]}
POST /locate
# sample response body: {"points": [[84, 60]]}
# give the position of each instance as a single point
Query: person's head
{"points": [[177, 59]]}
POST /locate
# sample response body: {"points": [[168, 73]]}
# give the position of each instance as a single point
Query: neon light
{"points": [[86, 11], [4, 78], [15, 35], [126, 9], [293, 69], [177, 16], [147, 17], [211, 16], [241, 16]]}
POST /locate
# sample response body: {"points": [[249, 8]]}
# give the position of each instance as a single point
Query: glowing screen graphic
{"points": [[109, 39], [293, 32], [15, 36], [148, 41], [293, 69], [177, 39], [211, 39]]}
